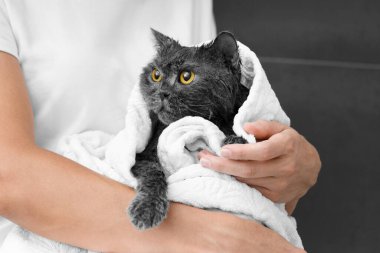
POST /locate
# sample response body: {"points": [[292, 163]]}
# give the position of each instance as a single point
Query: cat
{"points": [[183, 81]]}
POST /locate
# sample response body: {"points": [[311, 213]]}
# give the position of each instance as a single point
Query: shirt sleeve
{"points": [[7, 40]]}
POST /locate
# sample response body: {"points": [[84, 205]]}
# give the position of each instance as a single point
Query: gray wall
{"points": [[323, 61]]}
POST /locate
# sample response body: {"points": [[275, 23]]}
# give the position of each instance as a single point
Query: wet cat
{"points": [[183, 81]]}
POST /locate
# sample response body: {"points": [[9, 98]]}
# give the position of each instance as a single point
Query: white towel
{"points": [[189, 182]]}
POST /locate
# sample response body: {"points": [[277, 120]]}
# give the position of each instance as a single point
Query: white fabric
{"points": [[5, 227], [80, 59], [189, 182]]}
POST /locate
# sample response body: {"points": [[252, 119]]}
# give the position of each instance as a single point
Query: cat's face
{"points": [[192, 81]]}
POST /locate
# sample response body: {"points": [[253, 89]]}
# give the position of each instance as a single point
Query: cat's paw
{"points": [[233, 139], [148, 211]]}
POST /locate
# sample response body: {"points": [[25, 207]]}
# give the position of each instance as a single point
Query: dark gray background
{"points": [[323, 61]]}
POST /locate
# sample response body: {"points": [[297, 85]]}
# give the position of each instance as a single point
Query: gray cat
{"points": [[183, 81]]}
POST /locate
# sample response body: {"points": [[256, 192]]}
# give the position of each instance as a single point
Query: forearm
{"points": [[62, 200], [47, 193]]}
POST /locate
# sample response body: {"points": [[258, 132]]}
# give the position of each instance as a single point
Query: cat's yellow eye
{"points": [[186, 77], [156, 75]]}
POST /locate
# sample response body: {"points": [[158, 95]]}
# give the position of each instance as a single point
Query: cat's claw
{"points": [[147, 212], [233, 139]]}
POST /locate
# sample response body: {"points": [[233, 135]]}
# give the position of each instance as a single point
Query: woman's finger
{"points": [[260, 151], [243, 169], [204, 152], [263, 129]]}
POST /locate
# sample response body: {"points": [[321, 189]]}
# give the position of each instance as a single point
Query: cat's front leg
{"points": [[233, 139], [149, 208]]}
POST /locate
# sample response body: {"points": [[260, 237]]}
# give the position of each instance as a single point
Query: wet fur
{"points": [[215, 94]]}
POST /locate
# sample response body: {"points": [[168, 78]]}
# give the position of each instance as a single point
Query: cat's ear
{"points": [[163, 41], [226, 43]]}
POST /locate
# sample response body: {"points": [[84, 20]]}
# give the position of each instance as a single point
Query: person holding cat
{"points": [[70, 68]]}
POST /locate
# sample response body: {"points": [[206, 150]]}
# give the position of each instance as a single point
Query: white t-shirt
{"points": [[80, 59]]}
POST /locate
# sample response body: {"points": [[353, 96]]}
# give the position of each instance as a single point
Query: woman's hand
{"points": [[283, 166]]}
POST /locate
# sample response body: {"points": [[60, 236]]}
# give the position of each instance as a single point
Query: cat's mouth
{"points": [[165, 115], [163, 106]]}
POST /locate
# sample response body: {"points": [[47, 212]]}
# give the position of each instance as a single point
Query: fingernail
{"points": [[225, 152], [205, 163], [205, 152]]}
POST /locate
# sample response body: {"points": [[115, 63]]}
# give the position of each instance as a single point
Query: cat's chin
{"points": [[165, 117]]}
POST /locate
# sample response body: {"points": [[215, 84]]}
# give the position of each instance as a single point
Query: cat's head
{"points": [[192, 81]]}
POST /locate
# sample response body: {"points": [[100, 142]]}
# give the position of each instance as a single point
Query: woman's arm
{"points": [[62, 200], [283, 166]]}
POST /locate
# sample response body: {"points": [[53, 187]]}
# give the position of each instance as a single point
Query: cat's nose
{"points": [[164, 94]]}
